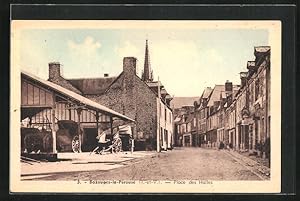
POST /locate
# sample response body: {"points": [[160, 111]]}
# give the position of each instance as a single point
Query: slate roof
{"points": [[95, 86], [218, 91], [215, 94], [179, 102], [207, 91], [79, 98], [154, 84]]}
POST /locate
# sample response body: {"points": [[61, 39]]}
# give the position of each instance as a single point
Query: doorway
{"points": [[89, 139]]}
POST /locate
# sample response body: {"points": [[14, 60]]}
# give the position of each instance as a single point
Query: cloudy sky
{"points": [[186, 60]]}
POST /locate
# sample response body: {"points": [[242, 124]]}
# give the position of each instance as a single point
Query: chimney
{"points": [[243, 76], [129, 65], [54, 70], [228, 86], [106, 75]]}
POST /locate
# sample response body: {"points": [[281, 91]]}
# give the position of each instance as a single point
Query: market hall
{"points": [[54, 115]]}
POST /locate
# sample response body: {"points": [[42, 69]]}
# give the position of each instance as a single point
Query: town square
{"points": [[189, 104]]}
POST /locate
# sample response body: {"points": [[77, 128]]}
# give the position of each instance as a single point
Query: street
{"points": [[179, 163]]}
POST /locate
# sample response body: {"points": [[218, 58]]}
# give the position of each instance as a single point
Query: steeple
{"points": [[147, 74]]}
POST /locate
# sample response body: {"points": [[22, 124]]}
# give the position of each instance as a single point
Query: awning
{"points": [[89, 104]]}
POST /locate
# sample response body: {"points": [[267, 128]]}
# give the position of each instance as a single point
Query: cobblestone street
{"points": [[180, 163]]}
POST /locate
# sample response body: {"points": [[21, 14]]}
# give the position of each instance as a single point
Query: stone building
{"points": [[49, 108], [201, 113], [237, 115], [248, 113], [230, 119], [242, 115], [183, 125], [252, 105], [144, 100]]}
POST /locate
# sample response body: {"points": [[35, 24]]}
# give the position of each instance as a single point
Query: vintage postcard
{"points": [[108, 106]]}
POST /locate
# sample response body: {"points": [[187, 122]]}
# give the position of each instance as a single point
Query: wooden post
{"points": [[111, 128], [79, 110], [111, 131], [53, 126], [97, 121], [132, 145]]}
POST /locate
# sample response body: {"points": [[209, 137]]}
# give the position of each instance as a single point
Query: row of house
{"points": [[237, 116], [139, 98]]}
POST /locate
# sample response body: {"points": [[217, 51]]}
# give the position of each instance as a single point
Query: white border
{"points": [[272, 186]]}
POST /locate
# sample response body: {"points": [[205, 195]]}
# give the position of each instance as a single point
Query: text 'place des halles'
{"points": [[128, 127]]}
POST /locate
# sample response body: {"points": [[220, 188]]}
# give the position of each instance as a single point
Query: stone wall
{"points": [[130, 96], [135, 100]]}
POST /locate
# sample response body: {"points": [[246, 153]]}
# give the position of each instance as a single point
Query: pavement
{"points": [[179, 163], [255, 166], [78, 162]]}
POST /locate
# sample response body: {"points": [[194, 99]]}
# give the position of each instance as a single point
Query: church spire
{"points": [[147, 73]]}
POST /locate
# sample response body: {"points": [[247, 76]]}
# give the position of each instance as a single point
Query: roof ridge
{"points": [[92, 78]]}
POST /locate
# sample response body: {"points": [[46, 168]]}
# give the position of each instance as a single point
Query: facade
{"points": [[230, 119], [252, 105], [144, 100], [201, 116], [237, 116], [217, 104], [184, 124], [258, 84]]}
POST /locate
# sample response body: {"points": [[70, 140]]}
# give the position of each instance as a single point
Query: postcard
{"points": [[144, 106]]}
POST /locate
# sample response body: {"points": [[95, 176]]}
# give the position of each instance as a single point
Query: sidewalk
{"points": [[260, 160], [254, 164], [78, 162]]}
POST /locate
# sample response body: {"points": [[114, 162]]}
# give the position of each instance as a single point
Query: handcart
{"points": [[106, 145]]}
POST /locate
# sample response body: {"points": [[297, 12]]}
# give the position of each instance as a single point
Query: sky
{"points": [[185, 60]]}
